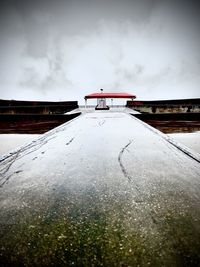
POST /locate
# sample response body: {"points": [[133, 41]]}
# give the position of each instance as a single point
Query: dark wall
{"points": [[32, 124], [166, 106], [36, 107], [34, 116], [172, 122]]}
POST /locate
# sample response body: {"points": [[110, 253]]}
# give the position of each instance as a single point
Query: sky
{"points": [[65, 49]]}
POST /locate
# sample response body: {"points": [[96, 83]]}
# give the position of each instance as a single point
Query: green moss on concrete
{"points": [[100, 241]]}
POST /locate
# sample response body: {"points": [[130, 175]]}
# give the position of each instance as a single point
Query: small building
{"points": [[101, 98]]}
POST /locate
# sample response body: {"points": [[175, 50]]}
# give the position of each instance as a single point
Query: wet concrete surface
{"points": [[104, 189]]}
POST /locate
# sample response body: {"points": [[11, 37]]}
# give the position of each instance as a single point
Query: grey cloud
{"points": [[72, 47]]}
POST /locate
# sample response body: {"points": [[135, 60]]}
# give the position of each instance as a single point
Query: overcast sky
{"points": [[64, 49]]}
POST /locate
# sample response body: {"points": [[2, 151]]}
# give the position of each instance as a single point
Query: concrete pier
{"points": [[104, 189]]}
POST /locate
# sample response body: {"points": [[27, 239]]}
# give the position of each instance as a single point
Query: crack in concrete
{"points": [[9, 163], [120, 161], [69, 141], [20, 153], [101, 122]]}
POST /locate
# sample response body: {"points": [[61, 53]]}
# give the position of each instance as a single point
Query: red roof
{"points": [[110, 95]]}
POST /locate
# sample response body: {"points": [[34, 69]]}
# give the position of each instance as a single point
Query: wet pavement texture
{"points": [[104, 189]]}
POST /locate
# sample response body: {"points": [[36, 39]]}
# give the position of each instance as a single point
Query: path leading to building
{"points": [[104, 189]]}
